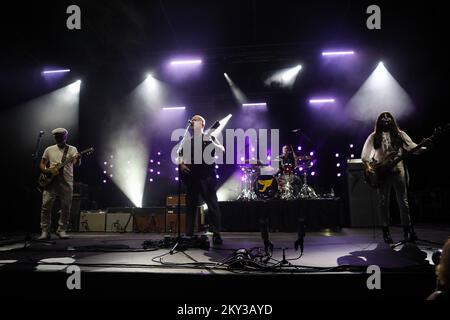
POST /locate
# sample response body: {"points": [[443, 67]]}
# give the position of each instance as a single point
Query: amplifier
{"points": [[150, 219], [172, 219], [119, 222], [92, 221], [172, 200]]}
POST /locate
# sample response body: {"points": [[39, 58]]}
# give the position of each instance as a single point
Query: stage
{"points": [[333, 266]]}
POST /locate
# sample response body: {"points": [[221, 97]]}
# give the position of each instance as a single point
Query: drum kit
{"points": [[289, 183]]}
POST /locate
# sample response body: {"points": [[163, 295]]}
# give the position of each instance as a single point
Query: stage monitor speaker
{"points": [[150, 219], [362, 199]]}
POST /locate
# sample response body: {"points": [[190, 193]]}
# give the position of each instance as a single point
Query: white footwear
{"points": [[44, 235], [62, 234]]}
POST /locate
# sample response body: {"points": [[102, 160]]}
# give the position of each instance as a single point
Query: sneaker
{"points": [[44, 235], [62, 234], [217, 239]]}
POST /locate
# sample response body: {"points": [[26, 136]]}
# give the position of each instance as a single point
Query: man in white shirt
{"points": [[388, 138], [61, 185]]}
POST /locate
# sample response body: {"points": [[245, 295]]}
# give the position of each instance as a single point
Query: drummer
{"points": [[287, 159]]}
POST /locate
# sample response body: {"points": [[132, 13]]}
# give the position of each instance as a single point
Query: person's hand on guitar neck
{"points": [[77, 159], [184, 168]]}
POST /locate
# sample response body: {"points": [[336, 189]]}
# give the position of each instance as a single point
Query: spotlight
{"points": [[258, 104], [321, 100], [337, 155], [185, 62], [337, 53], [55, 71]]}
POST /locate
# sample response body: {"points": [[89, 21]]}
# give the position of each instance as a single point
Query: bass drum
{"points": [[266, 187]]}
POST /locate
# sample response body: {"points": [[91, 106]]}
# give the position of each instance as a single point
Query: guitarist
{"points": [[200, 178], [388, 139], [62, 184]]}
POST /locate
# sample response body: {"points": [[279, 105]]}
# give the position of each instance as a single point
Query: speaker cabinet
{"points": [[150, 219], [362, 199]]}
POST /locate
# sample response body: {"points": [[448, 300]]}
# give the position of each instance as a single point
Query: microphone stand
{"points": [[179, 239]]}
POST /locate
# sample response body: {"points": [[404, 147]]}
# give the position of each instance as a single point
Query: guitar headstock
{"points": [[87, 151], [439, 131]]}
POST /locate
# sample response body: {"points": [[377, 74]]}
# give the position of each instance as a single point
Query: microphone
{"points": [[190, 122], [41, 133]]}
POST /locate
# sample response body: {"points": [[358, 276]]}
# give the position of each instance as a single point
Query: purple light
{"points": [[352, 155], [159, 163], [338, 165], [111, 166], [159, 153], [313, 173], [176, 178], [217, 167], [174, 108], [253, 149], [185, 62], [151, 170], [258, 104], [311, 153], [217, 176], [321, 100], [55, 71], [351, 145], [243, 178], [312, 163], [176, 169], [301, 169], [151, 161], [337, 155], [111, 175], [242, 159], [105, 163], [339, 174], [151, 180], [268, 158], [337, 53], [104, 171], [299, 148], [242, 169], [158, 172]]}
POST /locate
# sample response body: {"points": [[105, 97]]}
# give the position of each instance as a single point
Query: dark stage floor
{"points": [[112, 263]]}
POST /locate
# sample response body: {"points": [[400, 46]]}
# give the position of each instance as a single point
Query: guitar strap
{"points": [[66, 149]]}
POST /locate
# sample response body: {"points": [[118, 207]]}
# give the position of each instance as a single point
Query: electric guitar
{"points": [[46, 178], [377, 172]]}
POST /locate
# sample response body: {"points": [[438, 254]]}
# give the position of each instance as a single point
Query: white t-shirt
{"points": [[369, 153], [54, 154]]}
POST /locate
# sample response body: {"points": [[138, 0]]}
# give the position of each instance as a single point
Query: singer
{"points": [[200, 178], [61, 186]]}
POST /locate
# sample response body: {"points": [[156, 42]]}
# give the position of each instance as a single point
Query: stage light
{"points": [[351, 145], [104, 181], [313, 173], [217, 167], [380, 92], [151, 170], [185, 62], [217, 176], [159, 153], [174, 108], [111, 156], [231, 188], [299, 148], [159, 172], [352, 155], [338, 175], [151, 161], [105, 163], [311, 153], [237, 93], [338, 165], [176, 178], [104, 172], [257, 104], [176, 169], [284, 78], [321, 100], [47, 72], [158, 163], [74, 88], [111, 175], [111, 166], [337, 155], [337, 53], [151, 180]]}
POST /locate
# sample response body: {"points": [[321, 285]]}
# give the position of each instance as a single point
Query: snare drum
{"points": [[266, 187]]}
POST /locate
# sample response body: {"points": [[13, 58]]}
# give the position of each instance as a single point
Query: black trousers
{"points": [[206, 188]]}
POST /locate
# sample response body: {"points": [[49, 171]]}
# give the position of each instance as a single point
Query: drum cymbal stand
{"points": [[247, 192]]}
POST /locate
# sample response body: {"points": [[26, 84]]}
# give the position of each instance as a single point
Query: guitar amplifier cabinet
{"points": [[172, 200], [172, 219], [150, 219], [92, 221], [362, 199], [119, 222]]}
